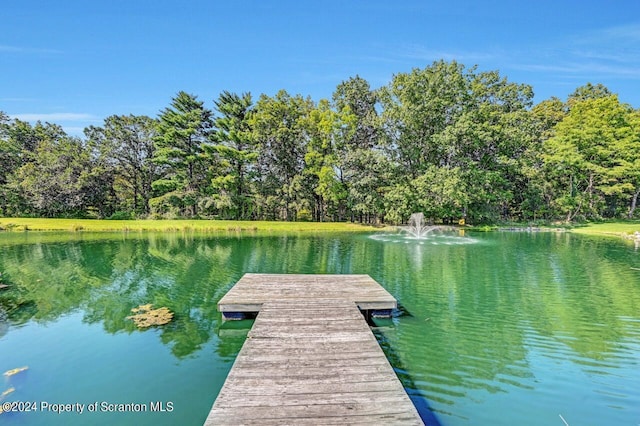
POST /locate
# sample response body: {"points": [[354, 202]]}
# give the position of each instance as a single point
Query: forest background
{"points": [[446, 140]]}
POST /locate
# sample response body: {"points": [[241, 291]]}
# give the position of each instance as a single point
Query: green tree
{"points": [[355, 103], [125, 144], [9, 153], [369, 177], [589, 156], [536, 193], [183, 128], [279, 128], [321, 163], [236, 151], [623, 175], [359, 133], [495, 146], [418, 107], [9, 161], [441, 192], [62, 179], [547, 114], [588, 91], [19, 145], [27, 137], [447, 116]]}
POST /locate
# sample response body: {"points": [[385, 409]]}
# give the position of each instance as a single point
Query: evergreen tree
{"points": [[236, 153], [182, 131]]}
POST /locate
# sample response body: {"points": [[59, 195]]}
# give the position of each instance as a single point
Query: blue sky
{"points": [[76, 62]]}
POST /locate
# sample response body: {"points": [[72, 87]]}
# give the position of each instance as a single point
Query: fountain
{"points": [[417, 227], [419, 232]]}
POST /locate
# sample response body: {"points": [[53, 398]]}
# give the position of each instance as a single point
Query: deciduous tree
{"points": [[279, 128], [125, 143], [591, 156], [63, 180]]}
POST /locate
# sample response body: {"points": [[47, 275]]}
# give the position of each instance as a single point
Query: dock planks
{"points": [[248, 294], [311, 360]]}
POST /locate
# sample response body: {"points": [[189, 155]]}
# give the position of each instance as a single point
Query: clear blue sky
{"points": [[75, 62]]}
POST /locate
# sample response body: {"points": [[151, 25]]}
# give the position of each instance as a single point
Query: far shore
{"points": [[625, 229], [99, 225]]}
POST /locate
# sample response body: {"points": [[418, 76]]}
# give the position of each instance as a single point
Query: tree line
{"points": [[446, 140]]}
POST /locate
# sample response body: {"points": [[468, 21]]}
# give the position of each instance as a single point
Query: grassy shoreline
{"points": [[74, 225], [618, 229], [624, 229]]}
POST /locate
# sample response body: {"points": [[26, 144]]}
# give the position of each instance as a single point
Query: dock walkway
{"points": [[310, 357]]}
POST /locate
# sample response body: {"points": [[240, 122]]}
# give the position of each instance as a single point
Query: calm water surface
{"points": [[497, 328]]}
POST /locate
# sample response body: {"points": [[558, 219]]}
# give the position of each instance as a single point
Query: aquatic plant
{"points": [[15, 371], [145, 316], [5, 393]]}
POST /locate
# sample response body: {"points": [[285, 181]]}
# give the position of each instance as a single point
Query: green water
{"points": [[497, 328]]}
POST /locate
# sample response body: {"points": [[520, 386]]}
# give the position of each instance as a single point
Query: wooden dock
{"points": [[310, 357]]}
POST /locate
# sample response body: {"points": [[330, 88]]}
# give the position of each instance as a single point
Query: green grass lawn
{"points": [[40, 224], [619, 229]]}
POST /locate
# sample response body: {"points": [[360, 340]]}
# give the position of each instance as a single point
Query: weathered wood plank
{"points": [[312, 367], [283, 389], [310, 357], [330, 326], [248, 294], [388, 397], [351, 377], [303, 383], [286, 355], [317, 411], [318, 372], [405, 418]]}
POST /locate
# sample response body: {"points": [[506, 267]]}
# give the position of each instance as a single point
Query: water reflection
{"points": [[527, 324], [485, 315]]}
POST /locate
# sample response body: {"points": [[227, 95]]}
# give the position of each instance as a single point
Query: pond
{"points": [[493, 328]]}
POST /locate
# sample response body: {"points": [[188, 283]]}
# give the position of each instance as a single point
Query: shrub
{"points": [[303, 215], [120, 215]]}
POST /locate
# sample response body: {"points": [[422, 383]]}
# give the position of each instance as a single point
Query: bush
{"points": [[303, 215], [168, 205], [119, 215]]}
